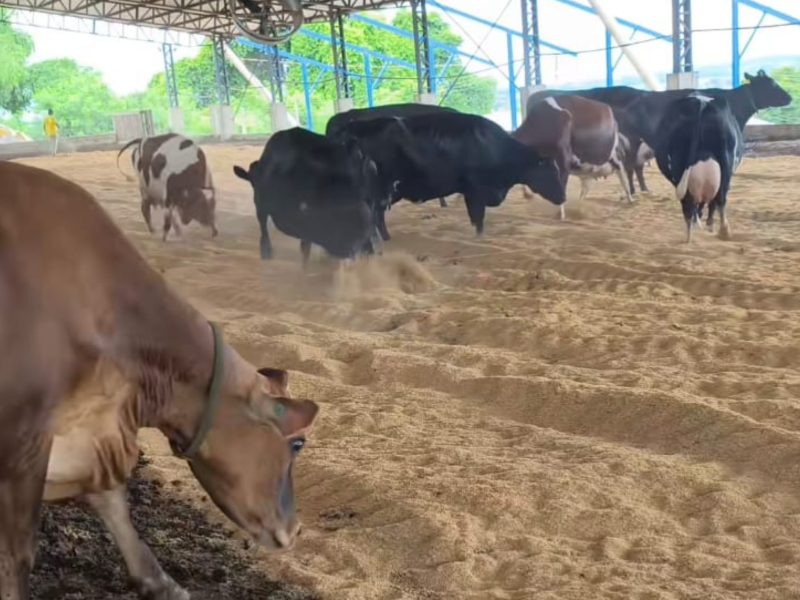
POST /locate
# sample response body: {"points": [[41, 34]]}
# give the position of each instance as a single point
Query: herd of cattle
{"points": [[333, 190], [102, 346]]}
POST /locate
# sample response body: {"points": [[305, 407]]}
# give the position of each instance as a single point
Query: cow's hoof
{"points": [[724, 233]]}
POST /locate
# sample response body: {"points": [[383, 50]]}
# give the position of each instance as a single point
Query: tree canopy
{"points": [[17, 48]]}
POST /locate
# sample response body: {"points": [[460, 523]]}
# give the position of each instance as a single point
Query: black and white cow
{"points": [[639, 112], [698, 147]]}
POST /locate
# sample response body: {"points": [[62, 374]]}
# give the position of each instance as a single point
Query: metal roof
{"points": [[206, 17]]}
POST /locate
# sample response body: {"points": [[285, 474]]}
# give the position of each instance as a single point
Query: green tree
{"points": [[789, 79], [82, 101], [17, 47]]}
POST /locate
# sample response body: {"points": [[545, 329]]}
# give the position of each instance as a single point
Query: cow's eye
{"points": [[296, 445]]}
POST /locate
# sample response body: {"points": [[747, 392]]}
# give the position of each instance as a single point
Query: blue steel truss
{"points": [[442, 55], [736, 58]]}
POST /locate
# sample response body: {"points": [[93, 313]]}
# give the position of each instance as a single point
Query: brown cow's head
{"points": [[245, 463]]}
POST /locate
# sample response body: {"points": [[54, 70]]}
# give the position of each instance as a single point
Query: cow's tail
{"points": [[691, 156], [125, 147]]}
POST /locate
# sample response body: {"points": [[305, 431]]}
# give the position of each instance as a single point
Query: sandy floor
{"points": [[577, 410]]}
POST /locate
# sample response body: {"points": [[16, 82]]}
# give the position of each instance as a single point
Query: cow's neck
{"points": [[171, 348], [742, 104]]}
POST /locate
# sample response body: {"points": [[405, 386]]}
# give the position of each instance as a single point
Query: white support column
{"points": [[176, 124], [525, 93], [682, 81], [342, 105], [280, 117], [425, 98], [222, 121]]}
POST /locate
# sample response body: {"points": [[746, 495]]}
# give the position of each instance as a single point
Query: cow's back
{"points": [[594, 129], [53, 303], [336, 122], [546, 127]]}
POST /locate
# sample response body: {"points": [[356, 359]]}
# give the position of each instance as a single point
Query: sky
{"points": [[127, 66]]}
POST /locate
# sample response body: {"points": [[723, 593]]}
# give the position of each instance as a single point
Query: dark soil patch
{"points": [[77, 558]]}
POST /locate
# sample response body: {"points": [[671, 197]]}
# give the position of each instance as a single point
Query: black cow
{"points": [[337, 122], [639, 112], [457, 153], [698, 147], [319, 190]]}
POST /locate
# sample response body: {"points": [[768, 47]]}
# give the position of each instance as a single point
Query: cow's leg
{"points": [[584, 188], [476, 208], [175, 221], [442, 202], [689, 213], [20, 510], [712, 206], [305, 251], [619, 170], [629, 174], [265, 245], [724, 225], [380, 221], [640, 176], [375, 241], [146, 574], [146, 214], [167, 224]]}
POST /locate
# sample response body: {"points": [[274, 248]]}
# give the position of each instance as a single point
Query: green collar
{"points": [[213, 395]]}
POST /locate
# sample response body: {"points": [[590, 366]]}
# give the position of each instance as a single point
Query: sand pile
{"points": [[566, 411]]}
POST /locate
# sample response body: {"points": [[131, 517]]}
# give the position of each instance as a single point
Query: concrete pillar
{"points": [[527, 92], [425, 98], [343, 105], [279, 117], [222, 121], [176, 124], [682, 81]]}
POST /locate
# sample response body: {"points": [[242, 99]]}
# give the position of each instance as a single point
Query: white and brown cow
{"points": [[581, 135], [173, 175], [95, 346]]}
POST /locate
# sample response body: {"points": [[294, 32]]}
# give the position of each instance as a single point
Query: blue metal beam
{"points": [[409, 35], [737, 54], [466, 15], [771, 11], [361, 49]]}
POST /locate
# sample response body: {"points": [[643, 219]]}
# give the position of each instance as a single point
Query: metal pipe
{"points": [[252, 79], [612, 26]]}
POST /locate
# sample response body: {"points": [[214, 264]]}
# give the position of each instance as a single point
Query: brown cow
{"points": [[173, 174], [96, 345], [581, 135]]}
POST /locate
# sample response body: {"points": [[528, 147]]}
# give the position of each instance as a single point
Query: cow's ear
{"points": [[748, 77], [278, 380], [241, 173], [294, 416]]}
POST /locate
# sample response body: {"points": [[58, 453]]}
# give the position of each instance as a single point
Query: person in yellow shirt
{"points": [[51, 130]]}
